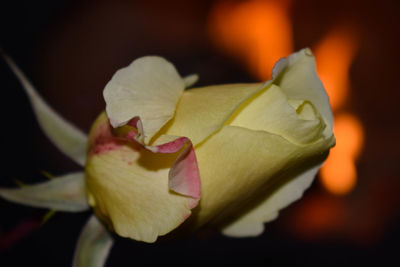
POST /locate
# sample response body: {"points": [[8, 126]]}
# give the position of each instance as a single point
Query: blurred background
{"points": [[70, 49]]}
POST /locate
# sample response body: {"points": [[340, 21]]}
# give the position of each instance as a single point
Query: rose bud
{"points": [[230, 156], [163, 159]]}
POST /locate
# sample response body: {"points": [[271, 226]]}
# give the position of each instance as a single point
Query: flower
{"points": [[162, 157]]}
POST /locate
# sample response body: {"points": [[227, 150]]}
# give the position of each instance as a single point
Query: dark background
{"points": [[70, 49]]}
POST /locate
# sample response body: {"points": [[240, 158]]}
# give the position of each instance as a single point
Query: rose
{"points": [[230, 156]]}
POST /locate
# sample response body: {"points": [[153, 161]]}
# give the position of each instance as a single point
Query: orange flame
{"points": [[258, 32]]}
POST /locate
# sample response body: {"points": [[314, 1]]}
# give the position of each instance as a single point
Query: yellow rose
{"points": [[230, 155]]}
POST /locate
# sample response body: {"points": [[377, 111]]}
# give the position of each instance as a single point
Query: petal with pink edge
{"points": [[145, 198], [184, 176]]}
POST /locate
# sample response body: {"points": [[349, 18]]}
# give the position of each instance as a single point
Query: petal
{"points": [[203, 111], [296, 75], [136, 200], [252, 222], [184, 176], [64, 193], [241, 166], [270, 111], [65, 136], [93, 246], [149, 88]]}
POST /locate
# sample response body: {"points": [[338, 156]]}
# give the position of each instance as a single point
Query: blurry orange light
{"points": [[334, 55], [339, 173], [258, 32], [349, 131]]}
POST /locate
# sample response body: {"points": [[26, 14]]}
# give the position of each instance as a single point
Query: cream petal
{"points": [[252, 222], [296, 75], [64, 193], [136, 200], [203, 111], [64, 135], [93, 246], [239, 167], [270, 111], [149, 88]]}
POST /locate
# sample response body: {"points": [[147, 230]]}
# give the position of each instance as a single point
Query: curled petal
{"points": [[64, 193], [64, 135], [298, 79], [184, 176], [93, 246], [270, 111], [149, 88], [146, 198]]}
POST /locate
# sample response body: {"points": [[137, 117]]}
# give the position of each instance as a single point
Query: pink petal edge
{"points": [[184, 176], [103, 140]]}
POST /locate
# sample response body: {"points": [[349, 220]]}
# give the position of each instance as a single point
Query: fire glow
{"points": [[334, 55], [258, 33]]}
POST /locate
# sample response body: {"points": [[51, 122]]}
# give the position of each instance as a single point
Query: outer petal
{"points": [[65, 193], [252, 222], [65, 136], [149, 88], [94, 244], [136, 201], [297, 77], [203, 111], [241, 155]]}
